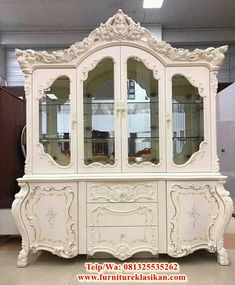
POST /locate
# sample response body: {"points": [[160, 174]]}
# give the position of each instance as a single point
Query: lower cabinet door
{"points": [[193, 216], [50, 216], [122, 242]]}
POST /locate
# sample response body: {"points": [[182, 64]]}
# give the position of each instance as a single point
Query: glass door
{"points": [[99, 134], [54, 133], [143, 129], [188, 119]]}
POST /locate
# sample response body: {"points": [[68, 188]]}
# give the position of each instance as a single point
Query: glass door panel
{"points": [[143, 114], [187, 119], [54, 121], [98, 106]]}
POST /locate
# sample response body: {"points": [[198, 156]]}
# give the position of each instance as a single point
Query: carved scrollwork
{"points": [[121, 192], [152, 67], [198, 85], [179, 245], [123, 246], [86, 70], [37, 219], [214, 82], [43, 87], [227, 209], [212, 56], [196, 155], [99, 213], [17, 214], [27, 85], [118, 28], [48, 158]]}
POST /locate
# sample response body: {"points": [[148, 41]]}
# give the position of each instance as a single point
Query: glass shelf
{"points": [[185, 138], [53, 104], [54, 139]]}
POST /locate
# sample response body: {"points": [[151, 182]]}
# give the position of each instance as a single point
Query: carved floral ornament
{"points": [[121, 28]]}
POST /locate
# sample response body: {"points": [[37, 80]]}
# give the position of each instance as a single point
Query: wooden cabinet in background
{"points": [[12, 121]]}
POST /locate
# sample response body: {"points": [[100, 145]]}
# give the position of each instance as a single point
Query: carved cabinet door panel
{"points": [[193, 216], [52, 123], [188, 126], [50, 216]]}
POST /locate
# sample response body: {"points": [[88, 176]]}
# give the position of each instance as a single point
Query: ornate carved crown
{"points": [[121, 28]]}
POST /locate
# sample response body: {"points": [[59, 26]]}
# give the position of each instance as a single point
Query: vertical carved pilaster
{"points": [[222, 255], [17, 214]]}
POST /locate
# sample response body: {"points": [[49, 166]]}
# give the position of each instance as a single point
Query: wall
{"points": [[225, 134], [2, 64]]}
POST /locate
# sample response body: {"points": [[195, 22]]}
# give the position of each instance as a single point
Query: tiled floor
{"points": [[47, 269]]}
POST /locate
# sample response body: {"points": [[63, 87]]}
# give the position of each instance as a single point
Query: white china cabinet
{"points": [[121, 148]]}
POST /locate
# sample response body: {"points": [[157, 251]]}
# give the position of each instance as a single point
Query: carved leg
{"points": [[23, 258], [17, 214], [222, 255]]}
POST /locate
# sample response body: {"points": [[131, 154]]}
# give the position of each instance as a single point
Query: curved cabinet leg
{"points": [[23, 257], [222, 255], [16, 210]]}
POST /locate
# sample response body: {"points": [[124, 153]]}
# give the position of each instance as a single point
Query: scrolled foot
{"points": [[23, 259], [222, 257]]}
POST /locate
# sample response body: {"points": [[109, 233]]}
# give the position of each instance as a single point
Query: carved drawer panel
{"points": [[145, 191], [122, 242], [121, 214]]}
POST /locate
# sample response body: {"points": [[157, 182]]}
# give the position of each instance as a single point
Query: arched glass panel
{"points": [[143, 116], [99, 131], [187, 112], [54, 120]]}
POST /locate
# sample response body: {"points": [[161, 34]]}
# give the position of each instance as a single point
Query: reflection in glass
{"points": [[54, 121], [187, 109], [99, 134], [142, 100]]}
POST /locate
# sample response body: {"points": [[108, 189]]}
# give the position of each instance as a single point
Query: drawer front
{"points": [[122, 214], [145, 191], [122, 242]]}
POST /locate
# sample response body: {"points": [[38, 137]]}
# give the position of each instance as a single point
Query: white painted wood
{"points": [[81, 220], [121, 191], [122, 242], [162, 216], [158, 69], [200, 161], [116, 209], [83, 69], [121, 214], [42, 162]]}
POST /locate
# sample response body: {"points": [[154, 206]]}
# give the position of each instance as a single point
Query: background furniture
{"points": [[12, 121]]}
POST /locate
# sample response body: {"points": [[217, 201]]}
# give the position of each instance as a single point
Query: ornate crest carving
{"points": [[121, 28]]}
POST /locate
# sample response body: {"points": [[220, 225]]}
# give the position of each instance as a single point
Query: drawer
{"points": [[145, 191], [122, 242], [122, 214]]}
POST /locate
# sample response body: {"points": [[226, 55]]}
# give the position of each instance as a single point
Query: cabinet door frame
{"points": [[88, 64], [42, 161], [152, 63], [200, 161]]}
